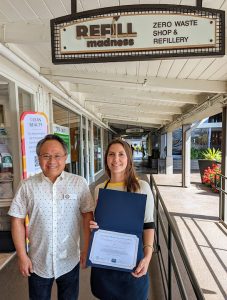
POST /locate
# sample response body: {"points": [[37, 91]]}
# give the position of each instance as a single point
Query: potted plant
{"points": [[210, 156], [211, 177]]}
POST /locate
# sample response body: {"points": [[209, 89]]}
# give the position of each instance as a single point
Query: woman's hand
{"points": [[142, 267], [148, 240], [93, 225]]}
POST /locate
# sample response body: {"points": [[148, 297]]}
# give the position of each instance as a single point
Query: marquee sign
{"points": [[137, 33]]}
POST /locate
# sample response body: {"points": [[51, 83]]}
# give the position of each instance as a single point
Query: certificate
{"points": [[118, 243], [114, 249]]}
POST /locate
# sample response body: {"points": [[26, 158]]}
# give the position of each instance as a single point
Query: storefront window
{"points": [[6, 162], [25, 101], [69, 123], [177, 143], [97, 149], [84, 152], [200, 138], [105, 140], [84, 121], [74, 123], [216, 137], [9, 153], [89, 148]]}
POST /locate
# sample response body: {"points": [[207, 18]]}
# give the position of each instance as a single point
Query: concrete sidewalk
{"points": [[194, 211]]}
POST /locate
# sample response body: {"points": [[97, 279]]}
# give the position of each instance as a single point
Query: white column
{"points": [[186, 155], [149, 145], [81, 147], [209, 137], [169, 155], [15, 133], [162, 146]]}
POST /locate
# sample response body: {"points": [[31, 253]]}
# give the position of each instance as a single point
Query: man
{"points": [[54, 201]]}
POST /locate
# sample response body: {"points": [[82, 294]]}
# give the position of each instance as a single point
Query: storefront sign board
{"points": [[130, 32], [139, 32], [63, 132], [33, 128]]}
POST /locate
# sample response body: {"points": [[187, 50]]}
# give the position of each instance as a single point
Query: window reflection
{"points": [[97, 149], [64, 117]]}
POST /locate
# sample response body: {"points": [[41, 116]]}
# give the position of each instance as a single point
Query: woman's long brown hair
{"points": [[131, 182]]}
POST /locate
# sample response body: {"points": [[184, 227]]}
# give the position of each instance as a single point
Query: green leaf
{"points": [[212, 154]]}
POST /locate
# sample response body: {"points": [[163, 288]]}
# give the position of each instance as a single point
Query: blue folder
{"points": [[120, 212]]}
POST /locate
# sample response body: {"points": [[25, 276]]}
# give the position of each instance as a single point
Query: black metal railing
{"points": [[169, 235], [220, 185]]}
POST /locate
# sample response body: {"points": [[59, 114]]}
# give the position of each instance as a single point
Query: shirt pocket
{"points": [[68, 205]]}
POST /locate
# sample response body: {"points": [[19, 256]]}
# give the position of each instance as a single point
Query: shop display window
{"points": [[72, 121], [25, 101], [6, 161], [97, 149], [90, 149]]}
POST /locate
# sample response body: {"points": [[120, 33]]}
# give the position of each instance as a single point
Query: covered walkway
{"points": [[12, 284], [94, 102], [195, 214]]}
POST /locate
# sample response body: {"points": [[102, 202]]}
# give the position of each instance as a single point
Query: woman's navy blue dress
{"points": [[108, 284]]}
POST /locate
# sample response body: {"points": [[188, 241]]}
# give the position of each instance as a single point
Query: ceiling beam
{"points": [[127, 97], [136, 113], [206, 109], [141, 105], [25, 33], [110, 93], [136, 82], [134, 119]]}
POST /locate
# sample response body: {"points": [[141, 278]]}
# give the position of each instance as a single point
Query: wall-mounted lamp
{"points": [[144, 82]]}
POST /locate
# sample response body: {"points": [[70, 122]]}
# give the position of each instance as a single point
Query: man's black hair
{"points": [[51, 137]]}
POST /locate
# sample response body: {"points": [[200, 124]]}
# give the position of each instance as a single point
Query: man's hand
{"points": [[25, 265], [18, 234]]}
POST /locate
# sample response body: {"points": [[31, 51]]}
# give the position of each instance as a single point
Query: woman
{"points": [[109, 284]]}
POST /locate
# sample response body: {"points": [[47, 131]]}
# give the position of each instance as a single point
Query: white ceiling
{"points": [[144, 93]]}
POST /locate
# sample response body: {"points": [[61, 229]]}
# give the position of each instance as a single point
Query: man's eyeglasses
{"points": [[49, 157]]}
